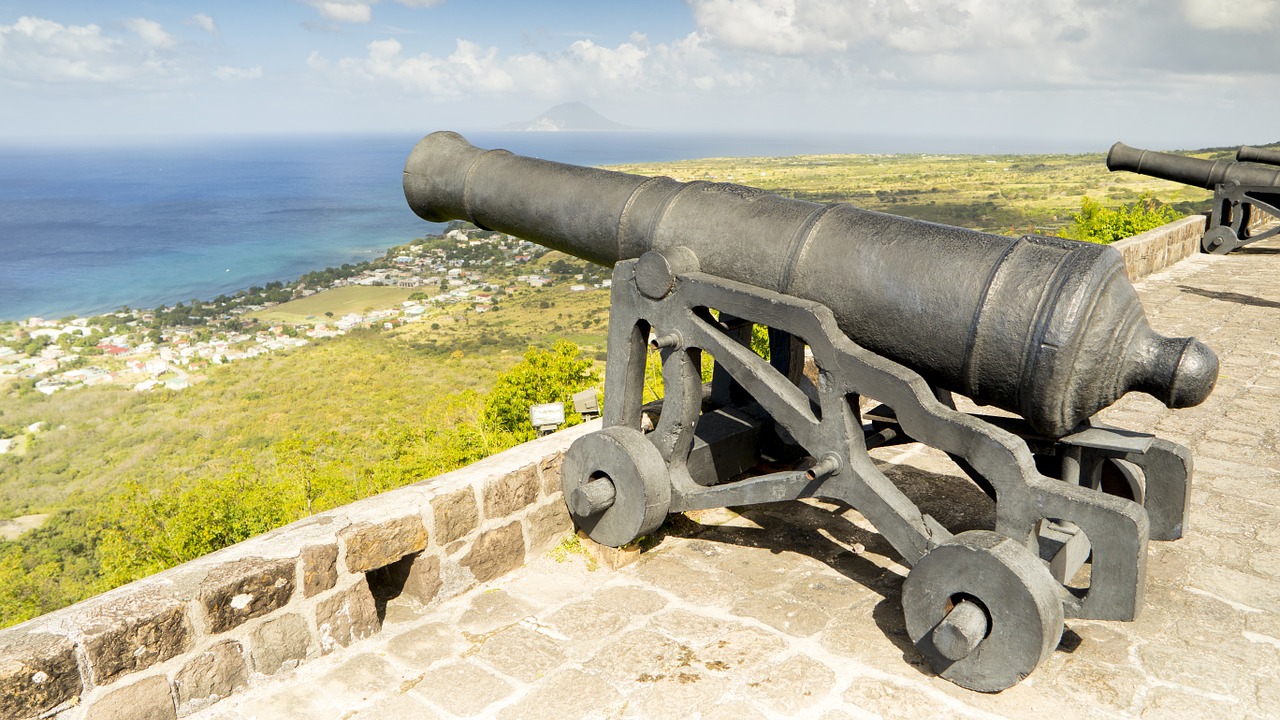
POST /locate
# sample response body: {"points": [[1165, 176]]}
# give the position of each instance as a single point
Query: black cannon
{"points": [[1265, 156], [1240, 191], [897, 314]]}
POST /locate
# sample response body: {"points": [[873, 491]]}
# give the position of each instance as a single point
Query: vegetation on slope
{"points": [[141, 482]]}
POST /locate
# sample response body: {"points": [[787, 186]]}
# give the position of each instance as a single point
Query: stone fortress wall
{"points": [[179, 641]]}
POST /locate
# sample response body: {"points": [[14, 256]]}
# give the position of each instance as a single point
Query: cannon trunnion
{"points": [[1241, 190], [896, 315]]}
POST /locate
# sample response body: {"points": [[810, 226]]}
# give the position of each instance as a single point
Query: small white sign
{"points": [[546, 414]]}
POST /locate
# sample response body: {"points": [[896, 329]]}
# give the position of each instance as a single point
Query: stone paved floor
{"points": [[793, 609]]}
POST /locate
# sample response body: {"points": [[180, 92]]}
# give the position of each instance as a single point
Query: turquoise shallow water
{"points": [[87, 229]]}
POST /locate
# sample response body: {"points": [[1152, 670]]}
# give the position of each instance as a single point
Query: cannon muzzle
{"points": [[1048, 328], [1206, 174], [1265, 156]]}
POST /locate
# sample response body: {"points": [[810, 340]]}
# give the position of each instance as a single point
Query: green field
{"points": [[331, 304], [1005, 194]]}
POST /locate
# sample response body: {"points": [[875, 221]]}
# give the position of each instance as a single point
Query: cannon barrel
{"points": [[1206, 174], [1266, 156], [1050, 329]]}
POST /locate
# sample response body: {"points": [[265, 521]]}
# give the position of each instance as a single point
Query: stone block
{"points": [[549, 471], [572, 694], [134, 632], [238, 591], [588, 619], [493, 609], [462, 688], [423, 645], [423, 582], [510, 493], [212, 676], [547, 524], [631, 599], [279, 641], [371, 545], [38, 673], [610, 558], [349, 616], [365, 675], [642, 655], [416, 577], [669, 698], [496, 553], [791, 686], [522, 653], [319, 569], [149, 699], [455, 515]]}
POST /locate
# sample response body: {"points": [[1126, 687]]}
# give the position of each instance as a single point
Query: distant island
{"points": [[570, 116]]}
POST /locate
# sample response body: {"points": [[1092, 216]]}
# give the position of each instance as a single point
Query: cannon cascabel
{"points": [[1047, 328]]}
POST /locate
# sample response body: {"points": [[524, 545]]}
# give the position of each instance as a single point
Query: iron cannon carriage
{"points": [[897, 315], [1241, 190]]}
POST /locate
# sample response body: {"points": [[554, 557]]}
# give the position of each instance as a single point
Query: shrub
{"points": [[1097, 224]]}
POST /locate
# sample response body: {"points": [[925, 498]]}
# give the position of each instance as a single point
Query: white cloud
{"points": [[347, 11], [1247, 15], [228, 73], [469, 69], [359, 11], [151, 32], [1002, 45], [623, 63], [583, 69], [205, 23], [830, 27], [36, 50], [768, 26]]}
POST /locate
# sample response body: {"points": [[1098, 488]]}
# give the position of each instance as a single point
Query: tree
{"points": [[544, 376]]}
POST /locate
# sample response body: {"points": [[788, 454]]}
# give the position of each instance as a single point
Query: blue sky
{"points": [[1154, 73]]}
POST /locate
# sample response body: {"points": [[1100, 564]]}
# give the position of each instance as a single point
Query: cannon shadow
{"points": [[1233, 297], [836, 535]]}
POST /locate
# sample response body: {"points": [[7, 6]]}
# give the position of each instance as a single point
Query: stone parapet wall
{"points": [[1155, 250], [173, 643]]}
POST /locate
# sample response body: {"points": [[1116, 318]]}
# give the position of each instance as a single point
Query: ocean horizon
{"points": [[90, 227]]}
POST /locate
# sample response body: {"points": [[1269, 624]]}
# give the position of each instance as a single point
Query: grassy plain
{"points": [[338, 302], [1005, 194]]}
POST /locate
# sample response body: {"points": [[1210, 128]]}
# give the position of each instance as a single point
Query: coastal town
{"points": [[464, 270]]}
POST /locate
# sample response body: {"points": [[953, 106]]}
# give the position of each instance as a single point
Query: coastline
{"points": [[164, 220], [167, 347]]}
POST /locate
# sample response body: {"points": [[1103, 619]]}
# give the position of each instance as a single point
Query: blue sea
{"points": [[88, 228]]}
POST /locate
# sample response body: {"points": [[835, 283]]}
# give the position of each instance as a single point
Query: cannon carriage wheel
{"points": [[615, 485], [982, 610]]}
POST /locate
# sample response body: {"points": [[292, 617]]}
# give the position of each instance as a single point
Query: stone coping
{"points": [[1155, 250], [170, 644]]}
